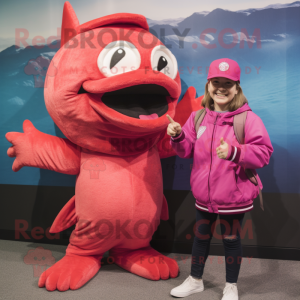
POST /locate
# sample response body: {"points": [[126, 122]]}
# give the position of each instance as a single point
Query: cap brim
{"points": [[227, 76]]}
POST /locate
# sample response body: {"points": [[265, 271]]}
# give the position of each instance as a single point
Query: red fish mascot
{"points": [[108, 89]]}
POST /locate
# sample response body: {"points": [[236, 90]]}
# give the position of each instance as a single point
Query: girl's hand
{"points": [[174, 128], [222, 150]]}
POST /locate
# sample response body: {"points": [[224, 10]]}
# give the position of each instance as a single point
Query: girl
{"points": [[218, 180]]}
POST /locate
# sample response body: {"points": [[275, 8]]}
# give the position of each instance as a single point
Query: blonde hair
{"points": [[238, 100]]}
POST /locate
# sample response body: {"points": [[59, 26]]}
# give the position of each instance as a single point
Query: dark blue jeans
{"points": [[205, 226]]}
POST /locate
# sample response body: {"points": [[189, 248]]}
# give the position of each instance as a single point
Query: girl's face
{"points": [[222, 90]]}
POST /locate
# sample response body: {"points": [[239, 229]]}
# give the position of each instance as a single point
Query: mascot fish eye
{"points": [[108, 89]]}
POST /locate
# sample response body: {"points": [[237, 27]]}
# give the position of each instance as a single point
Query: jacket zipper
{"points": [[211, 157]]}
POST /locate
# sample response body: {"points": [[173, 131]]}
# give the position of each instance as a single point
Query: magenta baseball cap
{"points": [[224, 67]]}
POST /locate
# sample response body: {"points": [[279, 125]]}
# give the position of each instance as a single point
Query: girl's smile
{"points": [[222, 91]]}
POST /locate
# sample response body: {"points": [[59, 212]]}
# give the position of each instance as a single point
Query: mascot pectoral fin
{"points": [[164, 210], [187, 105], [66, 217]]}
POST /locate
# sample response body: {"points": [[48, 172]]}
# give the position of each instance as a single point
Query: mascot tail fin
{"points": [[66, 217]]}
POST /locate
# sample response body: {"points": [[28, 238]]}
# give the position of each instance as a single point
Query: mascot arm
{"points": [[185, 107], [36, 149]]}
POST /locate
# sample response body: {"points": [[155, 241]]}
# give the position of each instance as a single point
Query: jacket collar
{"points": [[229, 114]]}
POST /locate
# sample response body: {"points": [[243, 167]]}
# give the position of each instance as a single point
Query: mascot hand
{"points": [[22, 145]]}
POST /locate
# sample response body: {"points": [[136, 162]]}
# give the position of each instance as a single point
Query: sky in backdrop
{"points": [[42, 18]]}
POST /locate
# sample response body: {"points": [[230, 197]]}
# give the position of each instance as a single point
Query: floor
{"points": [[264, 279]]}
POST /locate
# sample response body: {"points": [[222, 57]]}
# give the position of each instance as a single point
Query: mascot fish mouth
{"points": [[145, 102]]}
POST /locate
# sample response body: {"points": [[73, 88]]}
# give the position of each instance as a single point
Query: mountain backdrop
{"points": [[265, 42]]}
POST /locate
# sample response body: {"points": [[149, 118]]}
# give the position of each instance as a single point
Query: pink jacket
{"points": [[221, 185]]}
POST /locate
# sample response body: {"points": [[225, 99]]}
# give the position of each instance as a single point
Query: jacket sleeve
{"points": [[257, 150], [183, 144]]}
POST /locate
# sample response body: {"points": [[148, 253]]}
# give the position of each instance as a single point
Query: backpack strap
{"points": [[239, 121], [199, 116]]}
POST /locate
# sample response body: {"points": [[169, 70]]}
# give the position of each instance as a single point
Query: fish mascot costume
{"points": [[112, 111]]}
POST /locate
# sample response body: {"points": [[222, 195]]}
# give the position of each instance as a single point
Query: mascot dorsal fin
{"points": [[118, 18], [70, 24]]}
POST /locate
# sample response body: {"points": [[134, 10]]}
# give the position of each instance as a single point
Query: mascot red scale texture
{"points": [[112, 110]]}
